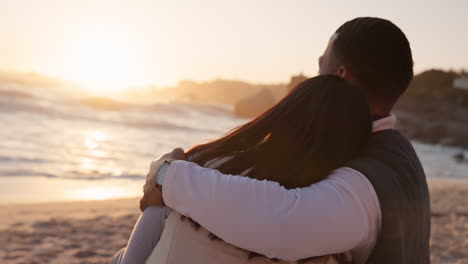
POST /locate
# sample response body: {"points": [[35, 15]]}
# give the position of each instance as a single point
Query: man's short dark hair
{"points": [[378, 54]]}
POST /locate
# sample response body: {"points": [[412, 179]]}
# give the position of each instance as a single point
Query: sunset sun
{"points": [[103, 60]]}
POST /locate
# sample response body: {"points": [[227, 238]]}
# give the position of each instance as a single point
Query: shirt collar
{"points": [[384, 123]]}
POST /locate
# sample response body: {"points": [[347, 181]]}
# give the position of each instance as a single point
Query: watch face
{"points": [[161, 172]]}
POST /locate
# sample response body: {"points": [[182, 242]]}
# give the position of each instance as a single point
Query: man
{"points": [[376, 206]]}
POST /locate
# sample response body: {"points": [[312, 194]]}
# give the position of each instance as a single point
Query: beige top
{"points": [[181, 243]]}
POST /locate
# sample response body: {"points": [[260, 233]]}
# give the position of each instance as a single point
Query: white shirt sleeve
{"points": [[336, 215]]}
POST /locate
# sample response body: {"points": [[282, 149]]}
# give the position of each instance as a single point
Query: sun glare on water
{"points": [[94, 144]]}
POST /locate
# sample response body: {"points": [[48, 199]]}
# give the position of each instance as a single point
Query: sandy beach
{"points": [[91, 232]]}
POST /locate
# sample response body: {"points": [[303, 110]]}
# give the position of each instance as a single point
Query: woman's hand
{"points": [[151, 196], [176, 154]]}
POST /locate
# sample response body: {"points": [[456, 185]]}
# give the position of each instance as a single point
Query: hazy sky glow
{"points": [[139, 42]]}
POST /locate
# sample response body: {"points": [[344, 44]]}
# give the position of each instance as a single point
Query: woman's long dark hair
{"points": [[322, 123], [319, 126]]}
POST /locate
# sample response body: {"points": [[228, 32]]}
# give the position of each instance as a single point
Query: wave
{"points": [[16, 94], [74, 175], [161, 115], [24, 160]]}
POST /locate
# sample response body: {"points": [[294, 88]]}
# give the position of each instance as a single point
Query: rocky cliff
{"points": [[433, 111], [430, 111]]}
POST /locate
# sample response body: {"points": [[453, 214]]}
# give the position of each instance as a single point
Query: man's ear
{"points": [[342, 72]]}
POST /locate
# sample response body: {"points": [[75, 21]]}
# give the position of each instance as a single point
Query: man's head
{"points": [[374, 54]]}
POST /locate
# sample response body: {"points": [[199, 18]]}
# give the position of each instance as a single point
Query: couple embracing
{"points": [[321, 177]]}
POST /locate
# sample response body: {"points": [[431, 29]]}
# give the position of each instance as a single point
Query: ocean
{"points": [[57, 147]]}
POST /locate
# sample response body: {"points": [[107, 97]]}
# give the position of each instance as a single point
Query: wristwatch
{"points": [[161, 173]]}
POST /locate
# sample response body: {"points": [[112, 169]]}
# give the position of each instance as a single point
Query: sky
{"points": [[141, 42]]}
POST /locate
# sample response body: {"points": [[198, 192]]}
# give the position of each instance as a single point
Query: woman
{"points": [[323, 123]]}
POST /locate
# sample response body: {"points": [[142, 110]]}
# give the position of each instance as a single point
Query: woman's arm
{"points": [[335, 215], [145, 235]]}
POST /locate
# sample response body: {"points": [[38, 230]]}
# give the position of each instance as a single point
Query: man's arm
{"points": [[335, 215]]}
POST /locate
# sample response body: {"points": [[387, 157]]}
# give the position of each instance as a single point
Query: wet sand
{"points": [[91, 232]]}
